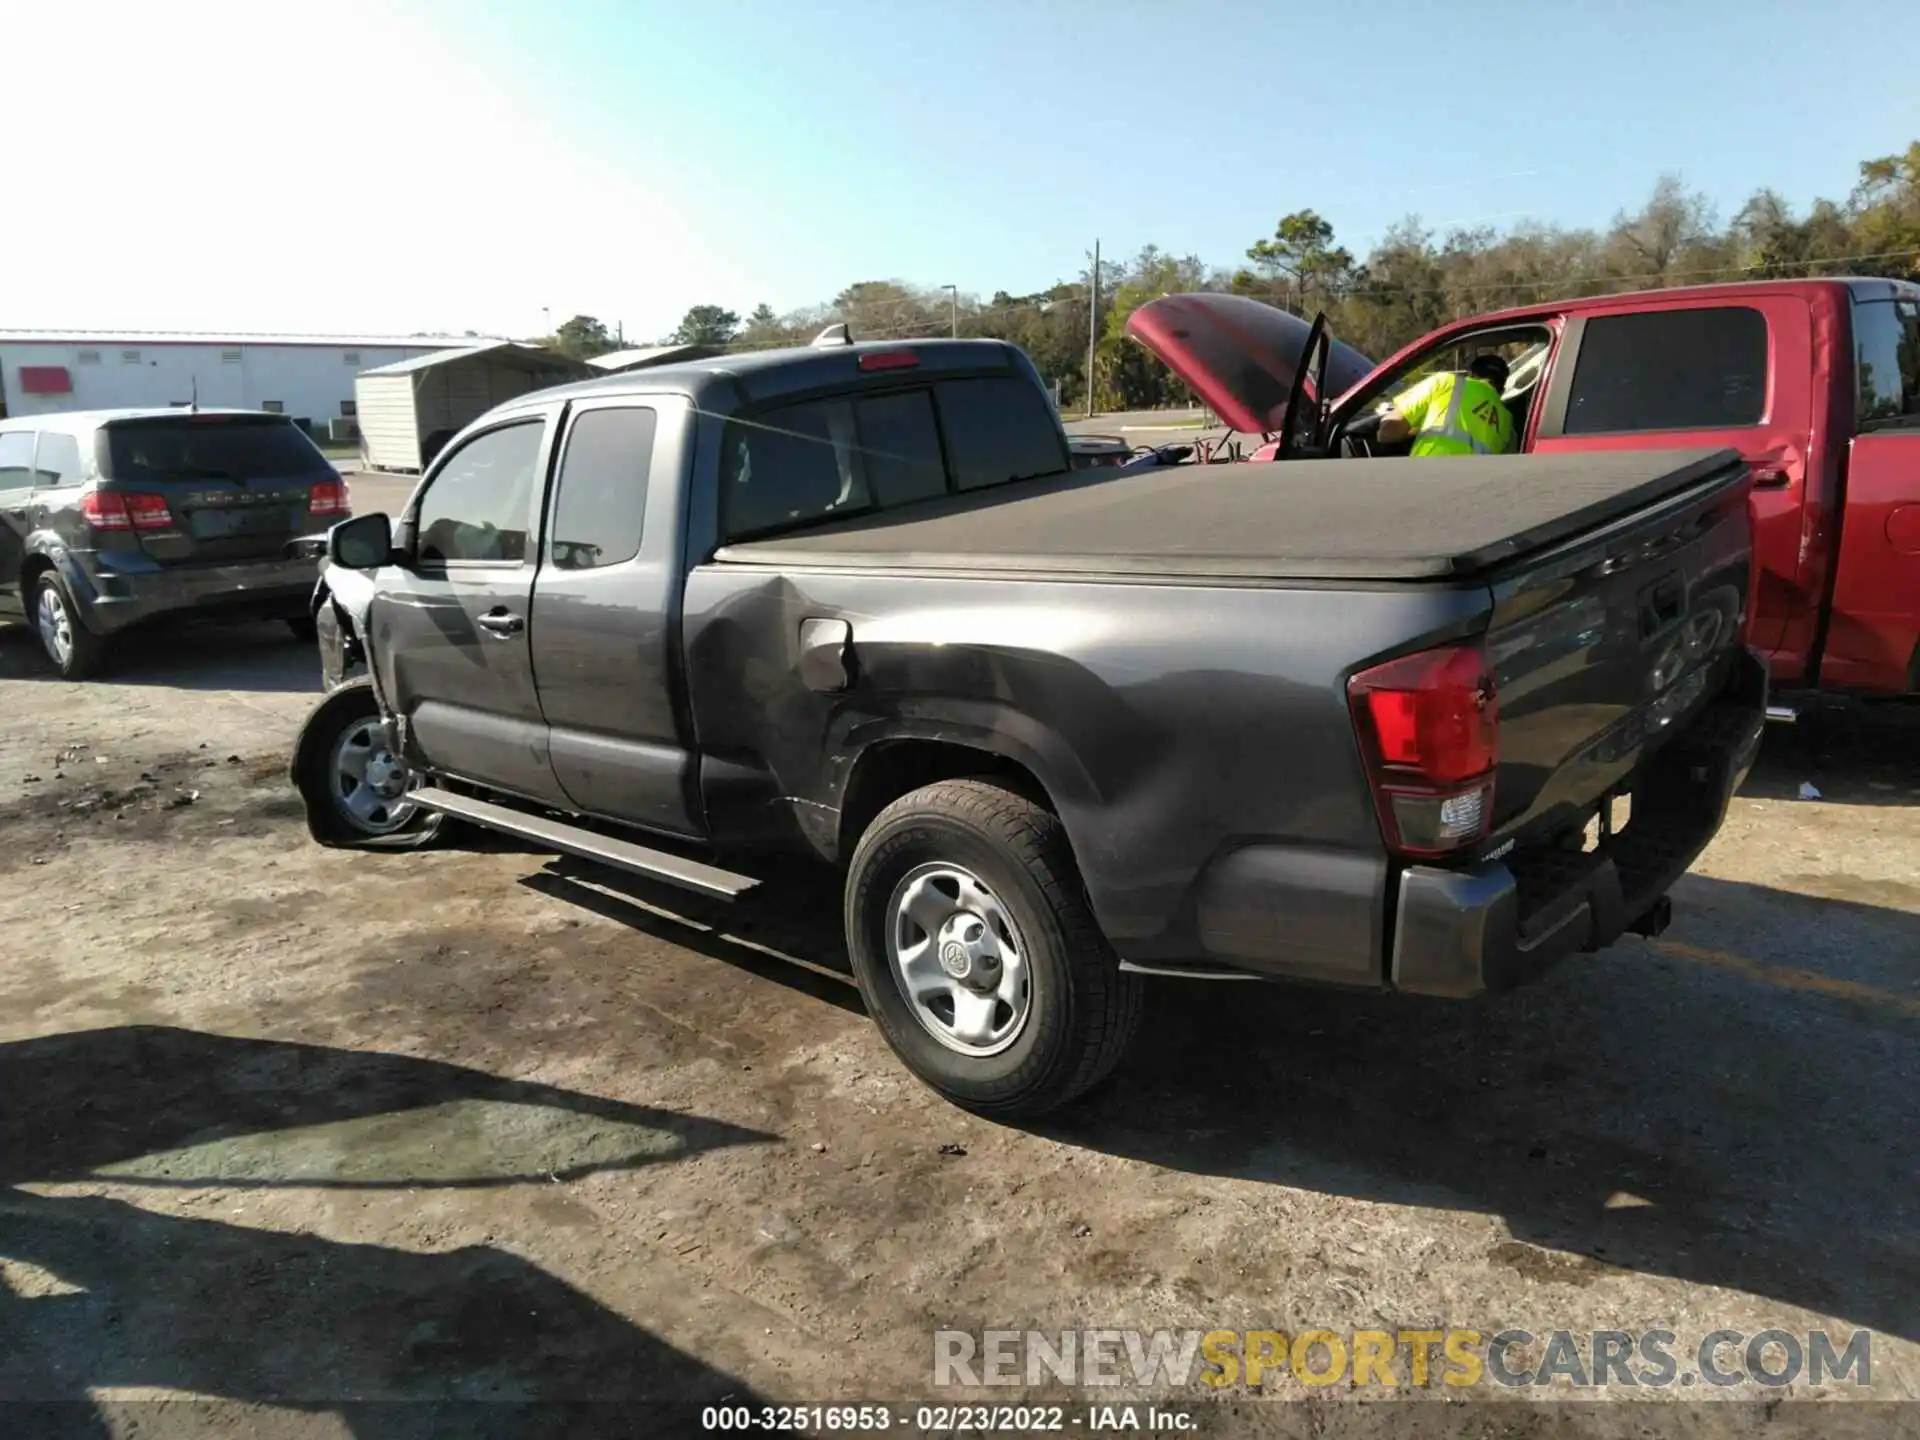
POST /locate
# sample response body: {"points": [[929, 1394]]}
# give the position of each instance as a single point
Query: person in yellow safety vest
{"points": [[1454, 413]]}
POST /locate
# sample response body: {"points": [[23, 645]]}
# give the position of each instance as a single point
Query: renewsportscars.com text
{"points": [[1454, 1357]]}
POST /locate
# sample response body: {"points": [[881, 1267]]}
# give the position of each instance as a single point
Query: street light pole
{"points": [[953, 307], [1093, 325]]}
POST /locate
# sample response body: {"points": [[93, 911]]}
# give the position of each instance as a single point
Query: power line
{"points": [[1508, 286], [927, 329]]}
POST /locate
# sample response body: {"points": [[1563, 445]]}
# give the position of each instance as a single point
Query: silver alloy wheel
{"points": [[369, 781], [50, 618], [958, 959]]}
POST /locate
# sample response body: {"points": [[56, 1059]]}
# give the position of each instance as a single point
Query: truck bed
{"points": [[1383, 519]]}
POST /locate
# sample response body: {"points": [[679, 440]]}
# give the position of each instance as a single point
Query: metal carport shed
{"points": [[409, 409]]}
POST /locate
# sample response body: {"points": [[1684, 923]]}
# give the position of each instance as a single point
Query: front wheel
{"points": [[977, 954], [353, 786]]}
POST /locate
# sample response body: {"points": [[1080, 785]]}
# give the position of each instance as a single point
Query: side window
{"points": [[1886, 361], [16, 459], [57, 462], [475, 511], [997, 430], [789, 465], [1669, 370], [602, 503]]}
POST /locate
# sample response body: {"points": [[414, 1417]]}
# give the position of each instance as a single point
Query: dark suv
{"points": [[112, 518]]}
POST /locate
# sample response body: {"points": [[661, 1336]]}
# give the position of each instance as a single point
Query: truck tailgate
{"points": [[1605, 646]]}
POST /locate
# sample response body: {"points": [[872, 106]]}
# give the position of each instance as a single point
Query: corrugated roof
{"points": [[532, 354], [188, 337]]}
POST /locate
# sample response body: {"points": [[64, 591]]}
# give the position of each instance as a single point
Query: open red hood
{"points": [[1239, 355]]}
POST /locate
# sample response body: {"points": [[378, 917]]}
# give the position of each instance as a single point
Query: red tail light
{"points": [[104, 510], [329, 497], [889, 360], [1429, 727], [149, 512], [113, 510]]}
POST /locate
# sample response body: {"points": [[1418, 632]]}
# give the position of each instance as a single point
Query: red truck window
{"points": [[1886, 359], [1685, 369]]}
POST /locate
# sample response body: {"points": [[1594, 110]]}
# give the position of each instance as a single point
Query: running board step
{"points": [[1189, 972], [586, 844]]}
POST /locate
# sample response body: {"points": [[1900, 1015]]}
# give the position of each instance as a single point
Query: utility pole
{"points": [[953, 307], [1093, 324]]}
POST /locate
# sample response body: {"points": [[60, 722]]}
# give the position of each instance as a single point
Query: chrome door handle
{"points": [[501, 623]]}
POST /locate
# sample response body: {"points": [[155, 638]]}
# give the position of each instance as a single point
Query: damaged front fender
{"points": [[342, 604]]}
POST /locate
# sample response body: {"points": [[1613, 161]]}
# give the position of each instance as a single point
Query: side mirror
{"points": [[363, 543]]}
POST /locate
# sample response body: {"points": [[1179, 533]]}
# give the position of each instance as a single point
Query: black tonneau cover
{"points": [[1389, 519]]}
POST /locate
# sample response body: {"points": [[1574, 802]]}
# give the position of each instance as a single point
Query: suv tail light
{"points": [[328, 497], [1429, 728], [113, 510], [888, 360], [104, 510]]}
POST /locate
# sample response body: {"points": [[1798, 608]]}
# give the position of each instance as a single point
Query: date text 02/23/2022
{"points": [[947, 1419]]}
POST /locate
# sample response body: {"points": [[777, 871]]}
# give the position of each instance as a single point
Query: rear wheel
{"points": [[977, 954], [353, 786], [76, 652]]}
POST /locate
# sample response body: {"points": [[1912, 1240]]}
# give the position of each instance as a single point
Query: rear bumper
{"points": [[117, 596], [1289, 911], [1461, 932]]}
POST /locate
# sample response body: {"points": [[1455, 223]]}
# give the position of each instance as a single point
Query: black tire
{"points": [[314, 775], [86, 652], [303, 628], [1083, 1010]]}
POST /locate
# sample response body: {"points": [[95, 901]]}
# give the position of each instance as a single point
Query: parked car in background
{"points": [[1816, 383], [1058, 729], [113, 519]]}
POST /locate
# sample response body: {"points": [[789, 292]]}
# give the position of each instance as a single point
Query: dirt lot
{"points": [[312, 1131]]}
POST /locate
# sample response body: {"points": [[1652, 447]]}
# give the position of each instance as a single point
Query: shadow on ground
{"points": [[262, 656], [1688, 1115], [1632, 1109], [474, 1341], [1853, 753]]}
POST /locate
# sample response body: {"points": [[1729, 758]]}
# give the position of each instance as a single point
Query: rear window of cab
{"points": [[857, 453]]}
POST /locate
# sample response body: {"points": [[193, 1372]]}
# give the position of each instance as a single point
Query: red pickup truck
{"points": [[1815, 382]]}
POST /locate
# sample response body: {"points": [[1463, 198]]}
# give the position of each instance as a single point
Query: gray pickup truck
{"points": [[1368, 722]]}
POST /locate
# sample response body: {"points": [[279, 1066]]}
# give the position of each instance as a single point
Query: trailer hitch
{"points": [[1654, 920]]}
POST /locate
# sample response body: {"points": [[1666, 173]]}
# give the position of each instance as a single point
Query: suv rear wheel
{"points": [[76, 652], [977, 954]]}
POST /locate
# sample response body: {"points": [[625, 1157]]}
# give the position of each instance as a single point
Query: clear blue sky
{"points": [[988, 143], [633, 157]]}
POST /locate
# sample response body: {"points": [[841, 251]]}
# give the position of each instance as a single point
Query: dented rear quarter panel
{"points": [[1167, 722]]}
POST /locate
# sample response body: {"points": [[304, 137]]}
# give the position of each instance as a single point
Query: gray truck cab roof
{"points": [[724, 383]]}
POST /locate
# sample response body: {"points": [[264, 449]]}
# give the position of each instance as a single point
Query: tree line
{"points": [[1411, 281]]}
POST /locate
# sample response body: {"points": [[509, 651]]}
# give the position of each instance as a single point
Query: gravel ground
{"points": [[314, 1133]]}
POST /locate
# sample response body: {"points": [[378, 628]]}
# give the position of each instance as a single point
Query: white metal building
{"points": [[412, 407], [309, 377]]}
